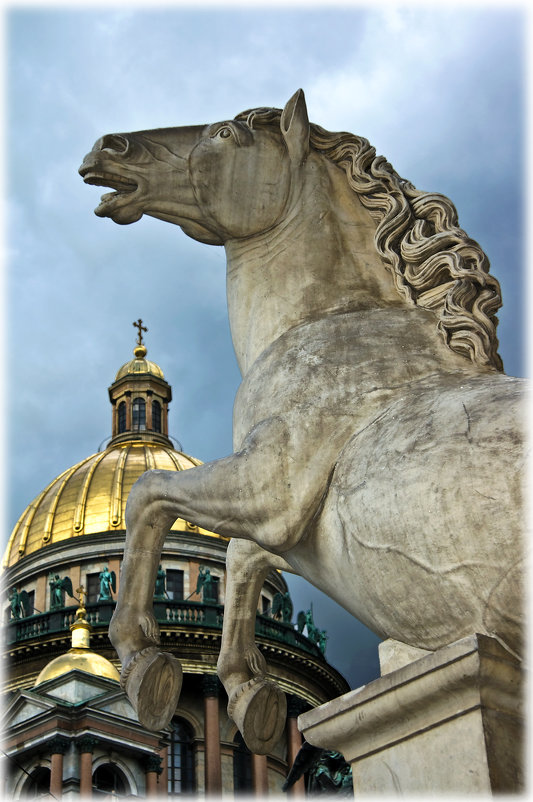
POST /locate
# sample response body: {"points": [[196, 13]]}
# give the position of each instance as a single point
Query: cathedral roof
{"points": [[90, 497]]}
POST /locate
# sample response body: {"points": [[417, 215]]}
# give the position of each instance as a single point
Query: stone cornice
{"points": [[75, 550], [311, 678]]}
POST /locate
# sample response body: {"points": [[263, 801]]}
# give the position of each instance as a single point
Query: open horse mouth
{"points": [[122, 187]]}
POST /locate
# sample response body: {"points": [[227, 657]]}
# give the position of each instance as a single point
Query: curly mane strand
{"points": [[433, 262]]}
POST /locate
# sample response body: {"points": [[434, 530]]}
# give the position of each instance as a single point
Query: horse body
{"points": [[371, 456], [404, 475]]}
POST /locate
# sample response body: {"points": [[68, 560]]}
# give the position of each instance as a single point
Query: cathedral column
{"points": [[128, 410], [149, 399], [153, 769], [260, 775], [58, 746], [295, 706], [163, 777], [114, 418], [86, 745], [213, 765]]}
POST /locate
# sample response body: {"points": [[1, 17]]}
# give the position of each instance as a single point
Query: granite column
{"points": [[86, 745], [58, 746], [153, 768], [213, 765]]}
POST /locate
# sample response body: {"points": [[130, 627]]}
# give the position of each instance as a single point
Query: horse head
{"points": [[338, 211], [217, 182]]}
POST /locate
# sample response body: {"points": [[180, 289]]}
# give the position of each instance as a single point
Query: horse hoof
{"points": [[259, 709], [152, 680]]}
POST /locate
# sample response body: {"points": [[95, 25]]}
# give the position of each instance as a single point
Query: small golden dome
{"points": [[90, 497], [83, 660], [80, 655], [139, 365]]}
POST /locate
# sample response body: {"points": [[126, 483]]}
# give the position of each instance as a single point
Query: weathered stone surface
{"points": [[152, 681], [393, 655], [451, 722], [378, 447]]}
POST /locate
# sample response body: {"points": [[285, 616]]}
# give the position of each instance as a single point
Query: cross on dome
{"points": [[139, 325]]}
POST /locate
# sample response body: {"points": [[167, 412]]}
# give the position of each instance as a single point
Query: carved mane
{"points": [[434, 263]]}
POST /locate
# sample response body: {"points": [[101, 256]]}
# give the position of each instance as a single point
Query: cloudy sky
{"points": [[438, 91]]}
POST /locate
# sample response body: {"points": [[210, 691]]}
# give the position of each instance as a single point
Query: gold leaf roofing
{"points": [[90, 497], [139, 365], [83, 660]]}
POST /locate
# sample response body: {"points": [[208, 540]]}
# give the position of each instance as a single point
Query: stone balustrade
{"points": [[168, 613]]}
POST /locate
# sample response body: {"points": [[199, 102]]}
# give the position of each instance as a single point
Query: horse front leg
{"points": [[258, 494], [256, 704], [151, 678]]}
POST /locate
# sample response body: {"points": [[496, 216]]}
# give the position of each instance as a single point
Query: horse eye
{"points": [[225, 132]]}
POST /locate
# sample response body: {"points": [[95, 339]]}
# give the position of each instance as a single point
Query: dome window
{"points": [[175, 584], [138, 415], [156, 416], [93, 587], [122, 417]]}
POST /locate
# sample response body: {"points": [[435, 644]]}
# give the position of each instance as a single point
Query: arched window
{"points": [[109, 779], [156, 416], [122, 417], [37, 784], [180, 758], [242, 767], [138, 415]]}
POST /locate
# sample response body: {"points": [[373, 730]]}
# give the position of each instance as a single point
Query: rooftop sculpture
{"points": [[378, 446]]}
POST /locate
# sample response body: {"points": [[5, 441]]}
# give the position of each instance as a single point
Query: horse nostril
{"points": [[114, 142]]}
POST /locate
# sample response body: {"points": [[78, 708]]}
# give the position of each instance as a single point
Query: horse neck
{"points": [[319, 260]]}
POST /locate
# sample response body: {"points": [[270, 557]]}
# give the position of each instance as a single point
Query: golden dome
{"points": [[82, 659], [90, 497], [139, 365]]}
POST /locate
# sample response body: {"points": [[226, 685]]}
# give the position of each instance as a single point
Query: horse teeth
{"points": [[108, 179]]}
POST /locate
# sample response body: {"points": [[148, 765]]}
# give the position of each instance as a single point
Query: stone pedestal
{"points": [[451, 721]]}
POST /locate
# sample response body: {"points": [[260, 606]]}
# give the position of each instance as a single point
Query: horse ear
{"points": [[294, 126]]}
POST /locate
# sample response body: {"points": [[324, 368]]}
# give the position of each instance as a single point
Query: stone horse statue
{"points": [[378, 444]]}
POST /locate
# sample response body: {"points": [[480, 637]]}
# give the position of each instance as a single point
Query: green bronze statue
{"points": [[206, 585], [282, 607], [58, 588], [318, 636], [14, 600], [160, 590], [108, 583]]}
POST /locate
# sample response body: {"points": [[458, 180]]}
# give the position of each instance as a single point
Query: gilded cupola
{"points": [[80, 655], [139, 398]]}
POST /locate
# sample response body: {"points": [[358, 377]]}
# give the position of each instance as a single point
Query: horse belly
{"points": [[423, 523]]}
